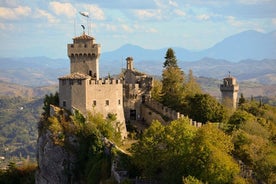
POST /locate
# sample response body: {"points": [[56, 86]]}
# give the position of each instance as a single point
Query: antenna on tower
{"points": [[86, 14]]}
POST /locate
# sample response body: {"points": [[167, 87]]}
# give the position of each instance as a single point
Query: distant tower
{"points": [[229, 91], [129, 63], [84, 56]]}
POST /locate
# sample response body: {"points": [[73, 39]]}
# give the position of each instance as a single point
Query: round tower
{"points": [[229, 91], [84, 56]]}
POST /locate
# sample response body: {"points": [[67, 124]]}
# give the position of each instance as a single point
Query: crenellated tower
{"points": [[229, 91], [84, 56]]}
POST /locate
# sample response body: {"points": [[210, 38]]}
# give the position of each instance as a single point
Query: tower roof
{"points": [[75, 76], [83, 37]]}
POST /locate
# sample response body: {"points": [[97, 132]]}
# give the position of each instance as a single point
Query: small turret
{"points": [[229, 91], [129, 63]]}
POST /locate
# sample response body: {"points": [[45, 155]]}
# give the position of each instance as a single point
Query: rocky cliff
{"points": [[56, 161], [73, 148]]}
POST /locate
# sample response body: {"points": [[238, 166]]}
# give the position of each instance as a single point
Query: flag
{"points": [[85, 14]]}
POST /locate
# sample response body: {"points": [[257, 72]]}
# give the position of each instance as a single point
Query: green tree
{"points": [[204, 108], [147, 152], [171, 60], [192, 87], [210, 159], [156, 91], [241, 100], [51, 99], [237, 119], [162, 152], [173, 87]]}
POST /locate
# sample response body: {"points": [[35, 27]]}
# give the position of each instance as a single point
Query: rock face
{"points": [[56, 163]]}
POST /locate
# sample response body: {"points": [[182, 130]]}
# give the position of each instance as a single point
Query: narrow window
{"points": [[63, 82], [90, 73], [94, 102], [64, 103], [107, 102], [119, 102], [79, 82], [71, 82]]}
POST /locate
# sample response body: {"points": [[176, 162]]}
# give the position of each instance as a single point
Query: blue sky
{"points": [[44, 27]]}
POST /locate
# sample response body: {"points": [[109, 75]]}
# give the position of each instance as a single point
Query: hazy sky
{"points": [[44, 27]]}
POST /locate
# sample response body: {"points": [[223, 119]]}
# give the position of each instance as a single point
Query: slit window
{"points": [[64, 103], [79, 82], [94, 102], [107, 102], [63, 82], [119, 102]]}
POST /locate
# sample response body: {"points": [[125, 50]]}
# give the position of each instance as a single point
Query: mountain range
{"points": [[242, 54], [245, 45]]}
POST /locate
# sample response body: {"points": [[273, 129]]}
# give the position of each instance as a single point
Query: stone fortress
{"points": [[128, 97]]}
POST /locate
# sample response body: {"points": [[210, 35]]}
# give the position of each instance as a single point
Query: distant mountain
{"points": [[245, 45], [33, 71]]}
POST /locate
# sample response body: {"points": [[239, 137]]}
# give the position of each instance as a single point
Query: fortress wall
{"points": [[150, 115], [152, 110], [65, 94], [106, 96], [160, 108], [78, 95]]}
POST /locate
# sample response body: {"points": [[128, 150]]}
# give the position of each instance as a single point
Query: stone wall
{"points": [[153, 110]]}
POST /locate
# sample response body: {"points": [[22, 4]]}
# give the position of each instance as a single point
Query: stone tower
{"points": [[229, 91], [84, 56], [84, 90]]}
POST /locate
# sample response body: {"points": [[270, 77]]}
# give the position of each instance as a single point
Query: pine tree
{"points": [[192, 87], [172, 82], [171, 60]]}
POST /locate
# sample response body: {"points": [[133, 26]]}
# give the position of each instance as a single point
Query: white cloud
{"points": [[151, 30], [109, 27], [273, 21], [6, 27], [63, 9], [233, 22], [148, 14], [14, 13], [44, 14], [180, 12], [95, 12], [203, 17], [251, 2], [173, 3], [126, 28]]}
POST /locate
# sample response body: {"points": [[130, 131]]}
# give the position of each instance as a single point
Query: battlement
{"points": [[83, 50], [168, 112], [105, 82], [160, 108], [131, 86], [229, 88]]}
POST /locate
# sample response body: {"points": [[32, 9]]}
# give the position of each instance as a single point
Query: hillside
{"points": [[18, 122], [28, 92]]}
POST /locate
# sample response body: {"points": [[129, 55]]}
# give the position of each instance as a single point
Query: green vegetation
{"points": [[233, 147], [90, 132], [18, 132], [18, 174], [240, 150]]}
